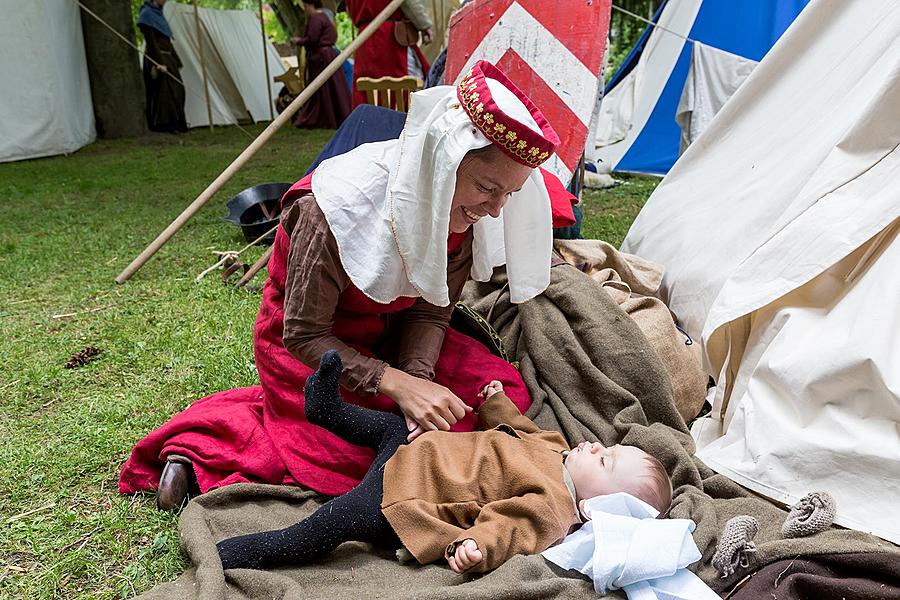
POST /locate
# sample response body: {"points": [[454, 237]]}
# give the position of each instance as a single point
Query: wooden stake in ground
{"points": [[252, 271], [202, 63], [244, 156], [262, 28]]}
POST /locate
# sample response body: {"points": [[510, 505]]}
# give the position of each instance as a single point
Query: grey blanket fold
{"points": [[592, 375]]}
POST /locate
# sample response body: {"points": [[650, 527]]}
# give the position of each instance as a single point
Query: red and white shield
{"points": [[552, 50]]}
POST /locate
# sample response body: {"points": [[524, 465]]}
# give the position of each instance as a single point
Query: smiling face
{"points": [[597, 470], [485, 180]]}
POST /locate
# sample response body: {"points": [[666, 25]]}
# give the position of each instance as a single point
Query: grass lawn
{"points": [[71, 225]]}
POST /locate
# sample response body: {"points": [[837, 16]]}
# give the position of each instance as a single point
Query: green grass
{"points": [[609, 213], [71, 225]]}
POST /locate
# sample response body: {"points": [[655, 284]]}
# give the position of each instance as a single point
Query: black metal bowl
{"points": [[256, 210]]}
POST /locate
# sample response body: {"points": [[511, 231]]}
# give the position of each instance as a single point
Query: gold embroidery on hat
{"points": [[496, 132]]}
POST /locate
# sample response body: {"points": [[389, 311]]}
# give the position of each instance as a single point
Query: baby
{"points": [[473, 499]]}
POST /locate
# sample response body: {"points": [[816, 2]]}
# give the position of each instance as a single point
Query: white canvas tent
{"points": [[45, 105], [232, 49], [780, 232]]}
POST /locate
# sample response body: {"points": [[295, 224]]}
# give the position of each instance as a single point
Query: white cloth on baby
{"points": [[625, 546]]}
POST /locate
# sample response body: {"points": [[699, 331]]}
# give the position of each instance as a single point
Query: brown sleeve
{"points": [[415, 11], [521, 525], [499, 410], [315, 280], [425, 324]]}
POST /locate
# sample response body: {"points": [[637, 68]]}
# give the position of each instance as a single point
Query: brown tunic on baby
{"points": [[315, 280], [503, 486]]}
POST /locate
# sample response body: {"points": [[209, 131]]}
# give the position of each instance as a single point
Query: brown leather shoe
{"points": [[174, 483]]}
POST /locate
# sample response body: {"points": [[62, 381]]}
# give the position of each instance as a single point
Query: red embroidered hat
{"points": [[519, 141]]}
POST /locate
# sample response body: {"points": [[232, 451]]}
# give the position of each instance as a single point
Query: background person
{"points": [[330, 105], [391, 51], [165, 95]]}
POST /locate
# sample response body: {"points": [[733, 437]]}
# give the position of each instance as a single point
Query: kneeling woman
{"points": [[372, 253]]}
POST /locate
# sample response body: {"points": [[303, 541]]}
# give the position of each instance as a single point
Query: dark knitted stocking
{"points": [[360, 426], [355, 516]]}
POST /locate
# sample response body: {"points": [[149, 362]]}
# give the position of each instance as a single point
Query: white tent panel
{"points": [[232, 50], [45, 106], [237, 38], [714, 77], [778, 231]]}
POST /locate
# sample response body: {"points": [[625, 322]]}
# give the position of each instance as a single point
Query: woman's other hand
{"points": [[428, 406], [467, 555]]}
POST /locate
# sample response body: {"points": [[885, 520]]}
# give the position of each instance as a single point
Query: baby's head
{"points": [[597, 470]]}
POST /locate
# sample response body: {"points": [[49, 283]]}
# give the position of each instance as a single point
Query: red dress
{"points": [[330, 105], [380, 55], [260, 433]]}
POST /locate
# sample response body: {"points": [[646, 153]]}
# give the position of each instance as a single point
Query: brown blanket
{"points": [[592, 375]]}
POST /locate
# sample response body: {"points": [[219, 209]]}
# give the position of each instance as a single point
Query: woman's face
{"points": [[484, 183]]}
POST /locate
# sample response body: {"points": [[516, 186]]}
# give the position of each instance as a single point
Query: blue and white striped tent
{"points": [[637, 131]]}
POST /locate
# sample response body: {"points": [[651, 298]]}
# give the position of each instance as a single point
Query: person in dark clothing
{"points": [[165, 93], [330, 105]]}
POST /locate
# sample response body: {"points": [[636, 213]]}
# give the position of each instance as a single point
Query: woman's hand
{"points": [[467, 555], [428, 406]]}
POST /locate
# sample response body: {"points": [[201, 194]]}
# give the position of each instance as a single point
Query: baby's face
{"points": [[597, 470]]}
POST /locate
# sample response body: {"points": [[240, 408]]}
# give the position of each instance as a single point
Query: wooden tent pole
{"points": [[202, 63], [258, 143], [265, 48]]}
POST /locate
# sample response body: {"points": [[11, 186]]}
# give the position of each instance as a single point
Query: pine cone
{"points": [[79, 359]]}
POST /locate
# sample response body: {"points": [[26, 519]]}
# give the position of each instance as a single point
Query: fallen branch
{"points": [[28, 513], [83, 539], [81, 312]]}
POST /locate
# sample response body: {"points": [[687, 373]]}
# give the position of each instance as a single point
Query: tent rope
{"points": [[127, 41], [657, 25]]}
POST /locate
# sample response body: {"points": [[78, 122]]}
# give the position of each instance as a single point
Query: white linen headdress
{"points": [[388, 206]]}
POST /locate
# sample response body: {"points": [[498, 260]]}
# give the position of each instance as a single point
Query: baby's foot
{"points": [[322, 388], [236, 553], [492, 388]]}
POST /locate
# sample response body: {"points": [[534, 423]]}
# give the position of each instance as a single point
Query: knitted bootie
{"points": [[735, 544], [812, 514], [322, 390]]}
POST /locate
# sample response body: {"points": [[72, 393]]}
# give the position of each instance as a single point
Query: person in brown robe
{"points": [[165, 93], [330, 105], [473, 499]]}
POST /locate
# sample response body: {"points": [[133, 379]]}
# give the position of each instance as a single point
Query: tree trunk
{"points": [[291, 15], [117, 88]]}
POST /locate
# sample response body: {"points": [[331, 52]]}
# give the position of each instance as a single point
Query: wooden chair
{"points": [[292, 80], [389, 92]]}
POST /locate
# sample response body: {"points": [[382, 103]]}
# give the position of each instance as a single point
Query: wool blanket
{"points": [[593, 376]]}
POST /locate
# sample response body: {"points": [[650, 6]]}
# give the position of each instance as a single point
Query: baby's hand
{"points": [[490, 389], [467, 555]]}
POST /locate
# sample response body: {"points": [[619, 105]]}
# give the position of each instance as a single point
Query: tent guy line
{"points": [[667, 30], [127, 41], [652, 24]]}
